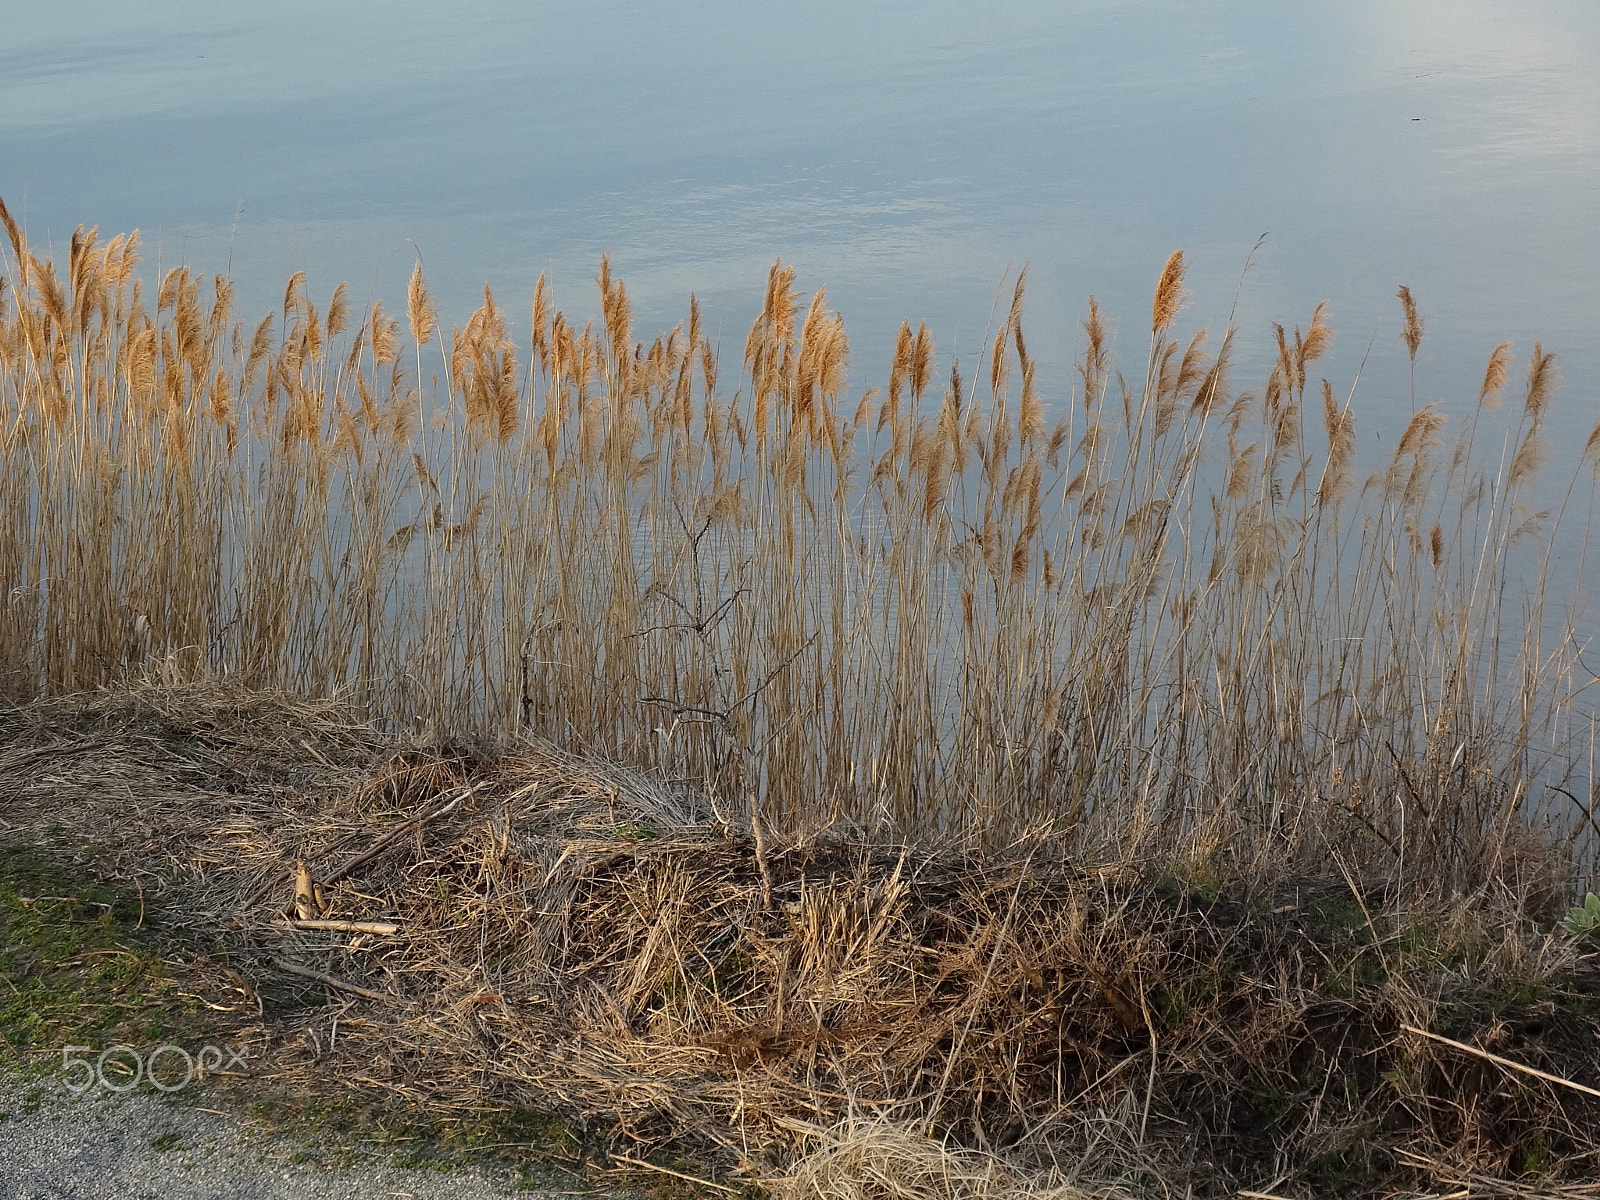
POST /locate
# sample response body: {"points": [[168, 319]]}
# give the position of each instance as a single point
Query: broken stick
{"points": [[333, 981], [383, 927]]}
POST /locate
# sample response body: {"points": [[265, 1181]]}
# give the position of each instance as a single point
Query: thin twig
{"points": [[1503, 1062], [649, 1166]]}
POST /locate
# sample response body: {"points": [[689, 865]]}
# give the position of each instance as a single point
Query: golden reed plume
{"points": [[1169, 293], [1494, 376], [1411, 332], [419, 306]]}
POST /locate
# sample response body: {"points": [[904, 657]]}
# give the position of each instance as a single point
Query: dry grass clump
{"points": [[884, 1160], [1150, 613], [571, 934]]}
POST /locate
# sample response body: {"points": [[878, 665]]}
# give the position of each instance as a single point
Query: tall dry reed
{"points": [[1156, 614]]}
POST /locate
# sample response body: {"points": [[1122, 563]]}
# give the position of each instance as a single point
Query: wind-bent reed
{"points": [[1174, 619]]}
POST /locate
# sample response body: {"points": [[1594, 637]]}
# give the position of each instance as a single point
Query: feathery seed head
{"points": [[1411, 331], [294, 293], [999, 367], [539, 324], [1591, 451], [1092, 370], [921, 361], [18, 243], [1169, 293], [1318, 337], [419, 307], [1193, 367], [863, 408], [1530, 456], [1542, 380], [1167, 372], [708, 369], [1020, 558], [1341, 427], [383, 330], [1213, 390], [1421, 433], [1494, 376], [1030, 411], [338, 318], [1014, 315]]}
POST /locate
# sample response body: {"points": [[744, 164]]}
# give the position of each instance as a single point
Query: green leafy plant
{"points": [[1585, 918]]}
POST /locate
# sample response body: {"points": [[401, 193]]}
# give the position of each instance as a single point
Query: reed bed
{"points": [[1151, 616]]}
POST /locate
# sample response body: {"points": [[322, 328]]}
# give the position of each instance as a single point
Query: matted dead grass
{"points": [[842, 1015]]}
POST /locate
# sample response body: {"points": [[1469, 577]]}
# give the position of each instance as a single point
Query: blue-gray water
{"points": [[903, 154]]}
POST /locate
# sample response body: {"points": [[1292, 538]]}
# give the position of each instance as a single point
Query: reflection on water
{"points": [[901, 154]]}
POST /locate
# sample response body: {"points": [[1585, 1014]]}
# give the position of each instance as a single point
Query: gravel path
{"points": [[55, 1146]]}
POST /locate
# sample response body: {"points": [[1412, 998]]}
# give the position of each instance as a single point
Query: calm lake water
{"points": [[903, 154]]}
